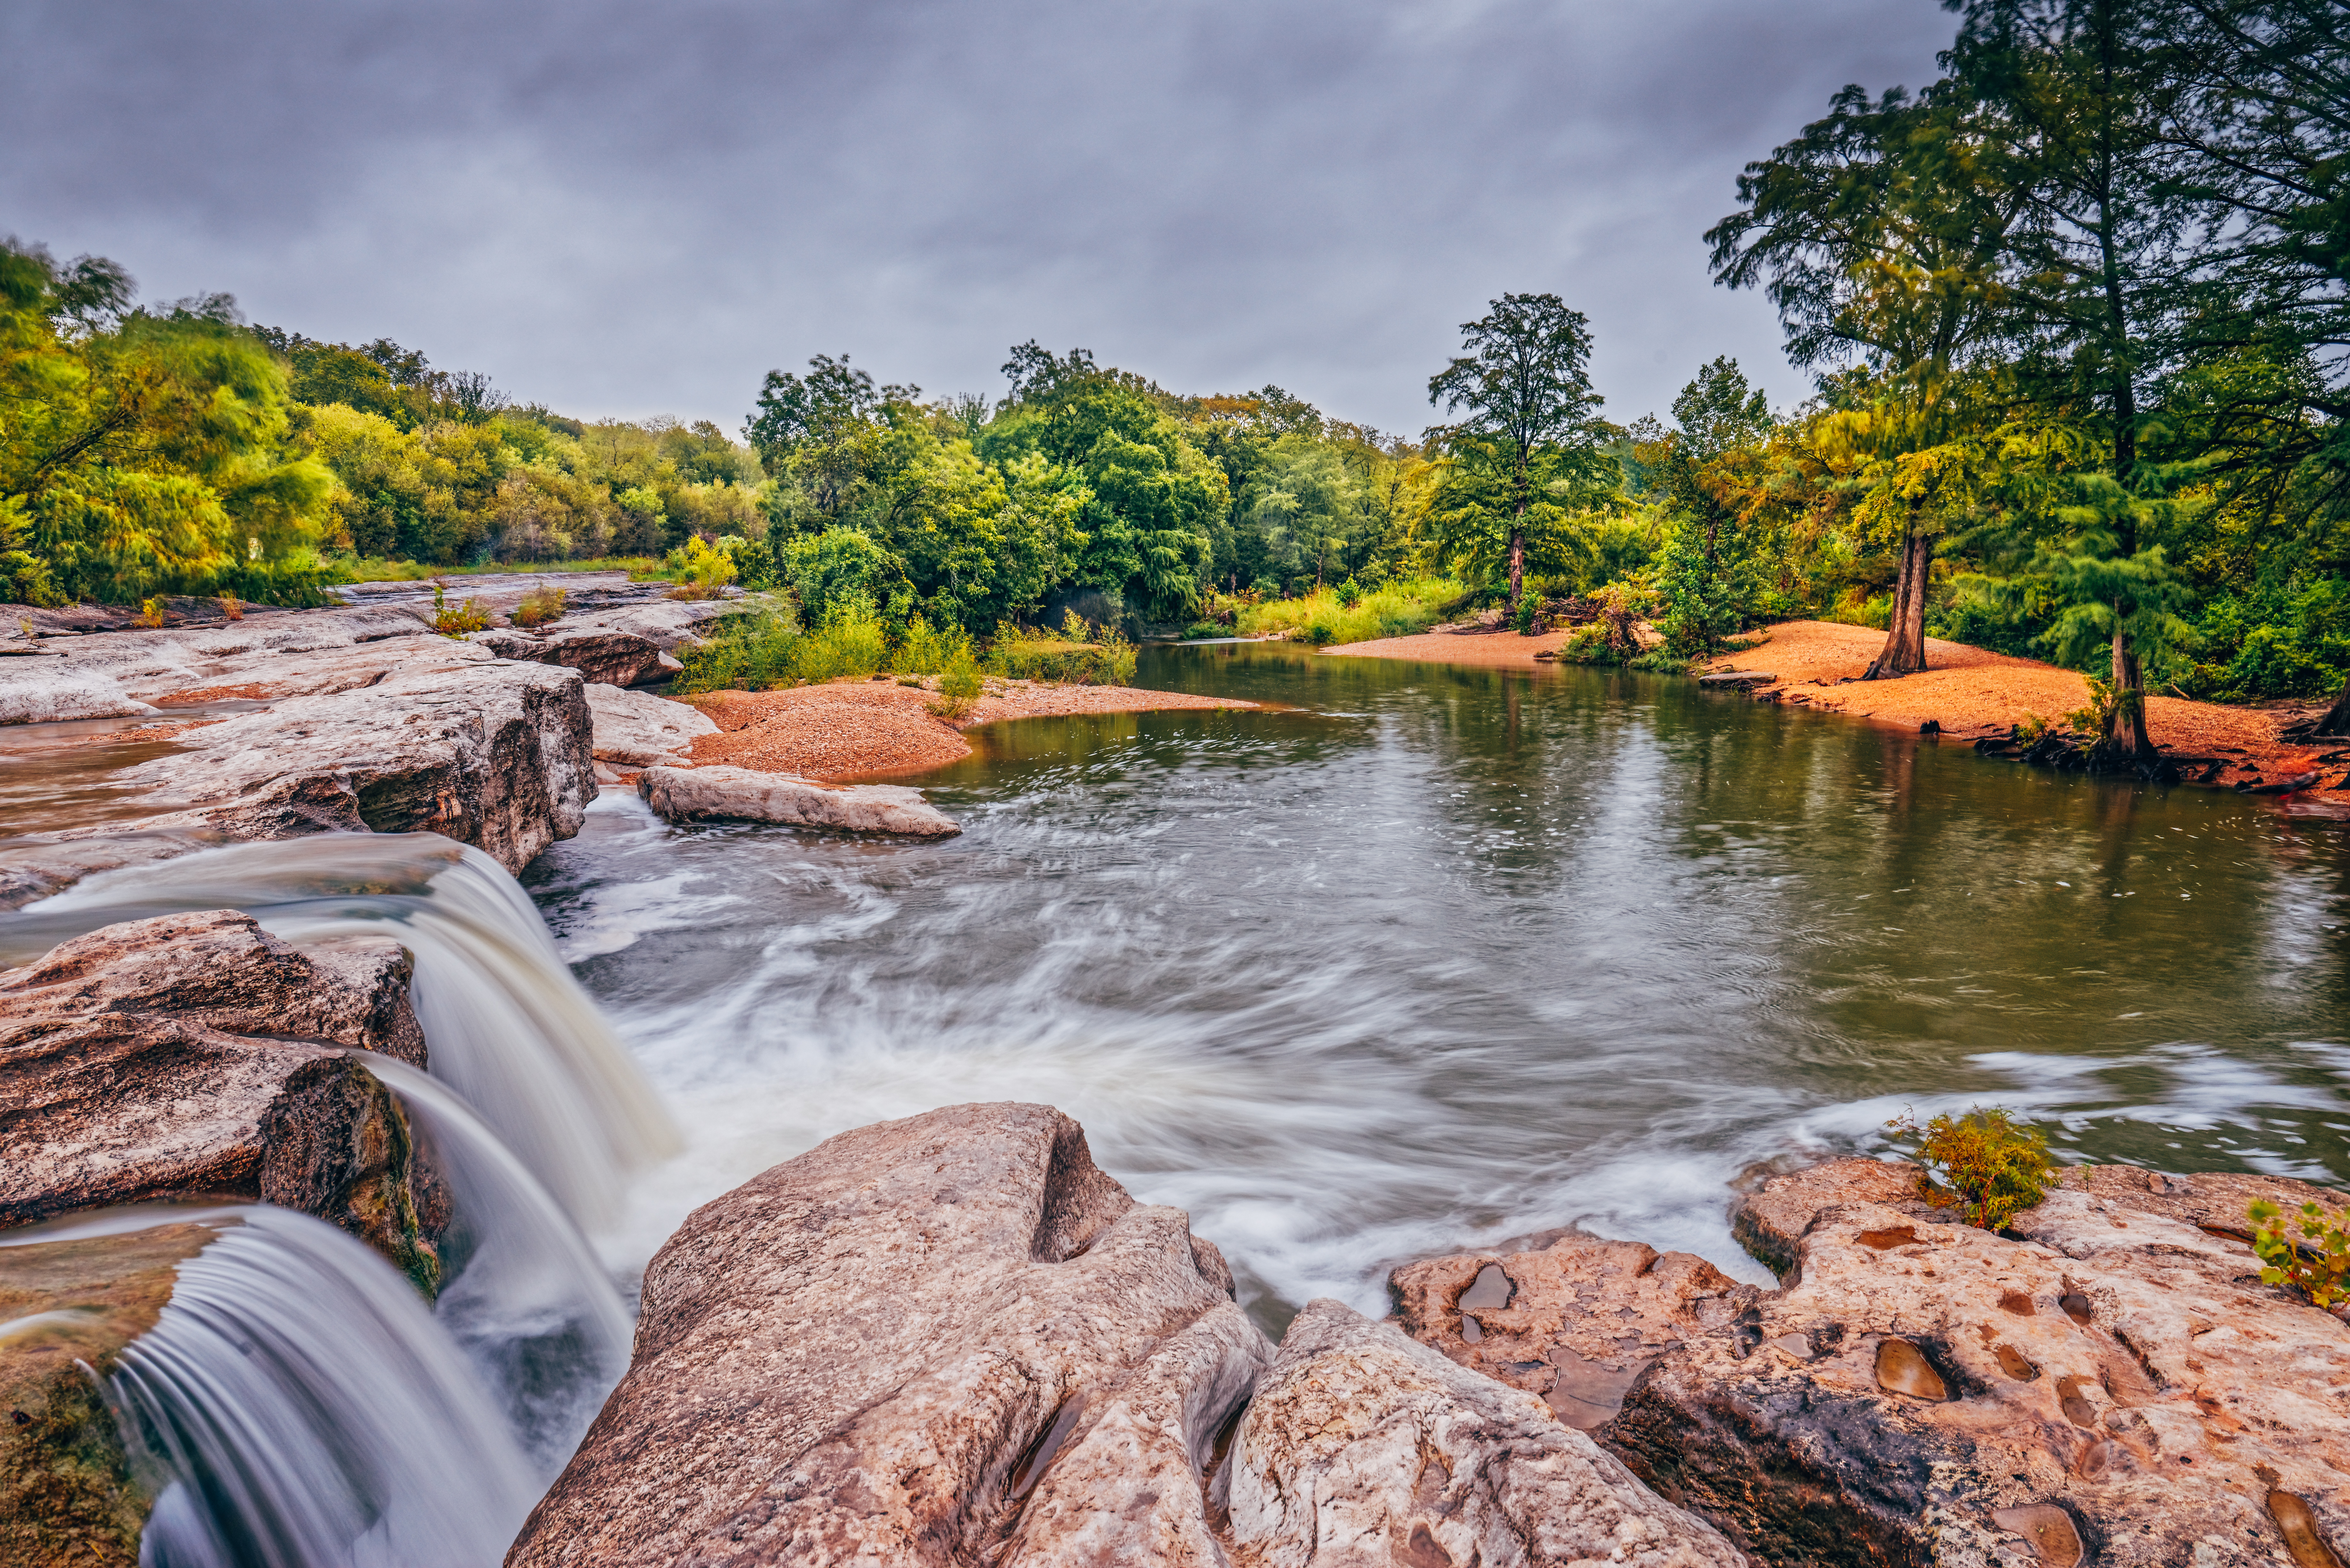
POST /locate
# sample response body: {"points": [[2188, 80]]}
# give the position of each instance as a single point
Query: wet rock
{"points": [[637, 729], [47, 691], [2113, 1384], [1365, 1447], [1770, 1221], [37, 865], [452, 741], [950, 1339], [1574, 1322], [197, 1056], [66, 1491], [742, 795]]}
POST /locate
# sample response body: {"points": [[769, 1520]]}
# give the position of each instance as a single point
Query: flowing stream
{"points": [[1415, 958]]}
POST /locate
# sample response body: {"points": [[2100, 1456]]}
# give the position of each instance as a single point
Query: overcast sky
{"points": [[631, 209]]}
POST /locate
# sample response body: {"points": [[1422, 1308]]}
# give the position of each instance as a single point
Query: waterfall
{"points": [[304, 1410], [507, 1025], [529, 1302]]}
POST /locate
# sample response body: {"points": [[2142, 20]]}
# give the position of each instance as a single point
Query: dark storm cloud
{"points": [[633, 209]]}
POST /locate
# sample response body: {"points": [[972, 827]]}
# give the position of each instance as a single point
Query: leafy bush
{"points": [[749, 653], [1613, 638], [703, 572], [1393, 610], [1039, 656], [462, 618], [538, 607], [849, 642], [921, 652], [2318, 1264], [960, 685], [1981, 1164]]}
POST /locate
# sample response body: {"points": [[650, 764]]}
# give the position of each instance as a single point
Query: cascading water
{"points": [[298, 1406], [529, 1302], [507, 1025]]}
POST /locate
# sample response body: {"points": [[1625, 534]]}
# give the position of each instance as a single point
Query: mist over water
{"points": [[1435, 956]]}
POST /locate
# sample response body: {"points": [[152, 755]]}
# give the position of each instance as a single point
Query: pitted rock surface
{"points": [[950, 1339], [744, 795], [1363, 1447], [2115, 1386], [197, 1056], [1575, 1322]]}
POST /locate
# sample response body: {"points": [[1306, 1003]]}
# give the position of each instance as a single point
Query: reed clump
{"points": [[1352, 613]]}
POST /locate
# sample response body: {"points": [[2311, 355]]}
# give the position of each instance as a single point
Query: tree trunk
{"points": [[2337, 718], [2126, 724], [1517, 565], [1905, 630]]}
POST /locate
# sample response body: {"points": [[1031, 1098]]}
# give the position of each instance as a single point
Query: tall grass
{"points": [[362, 570], [755, 652], [1325, 617]]}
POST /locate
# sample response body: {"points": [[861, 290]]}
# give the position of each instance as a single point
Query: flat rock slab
{"points": [[637, 730], [1364, 1448], [945, 1340], [742, 795], [451, 740], [197, 1056], [2112, 1385]]}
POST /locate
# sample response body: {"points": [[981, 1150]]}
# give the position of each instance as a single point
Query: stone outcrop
{"points": [[451, 741], [2109, 1382], [66, 1491], [197, 1056], [602, 657], [1574, 1322], [1364, 1447], [744, 795], [637, 730], [946, 1340], [35, 690]]}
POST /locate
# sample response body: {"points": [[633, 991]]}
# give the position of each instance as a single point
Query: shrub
{"points": [[1105, 661], [150, 612], [1321, 618], [703, 572], [466, 617], [850, 642], [958, 687], [1981, 1164], [749, 653], [538, 607], [922, 651], [2318, 1264], [232, 607]]}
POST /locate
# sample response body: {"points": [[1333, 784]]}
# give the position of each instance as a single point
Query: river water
{"points": [[1429, 957]]}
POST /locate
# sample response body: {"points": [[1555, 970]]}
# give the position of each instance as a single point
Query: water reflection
{"points": [[1445, 954]]}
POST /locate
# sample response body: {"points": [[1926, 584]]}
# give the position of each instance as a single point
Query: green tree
{"points": [[1532, 414]]}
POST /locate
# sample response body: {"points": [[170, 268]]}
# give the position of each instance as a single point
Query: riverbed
{"points": [[1424, 956]]}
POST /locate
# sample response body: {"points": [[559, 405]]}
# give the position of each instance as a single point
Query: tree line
{"points": [[2075, 313]]}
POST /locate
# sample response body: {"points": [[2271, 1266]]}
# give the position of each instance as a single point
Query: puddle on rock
{"points": [[1902, 1369], [1587, 1394], [1492, 1290], [1886, 1241], [2054, 1539], [2303, 1537]]}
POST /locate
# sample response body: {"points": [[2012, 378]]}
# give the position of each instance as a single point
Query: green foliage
{"points": [[849, 641], [749, 653], [700, 570], [538, 607], [2316, 1263], [960, 685], [1077, 656], [458, 619], [1393, 610], [1983, 1164]]}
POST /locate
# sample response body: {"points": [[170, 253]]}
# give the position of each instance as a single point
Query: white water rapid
{"points": [[305, 1410], [507, 1025]]}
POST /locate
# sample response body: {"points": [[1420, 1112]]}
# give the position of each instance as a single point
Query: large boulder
{"points": [[2109, 1381], [67, 1493], [719, 794], [943, 1340], [451, 740], [37, 691], [637, 729], [602, 657], [1364, 1448], [197, 1056]]}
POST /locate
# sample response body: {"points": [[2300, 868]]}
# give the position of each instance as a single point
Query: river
{"points": [[1427, 957]]}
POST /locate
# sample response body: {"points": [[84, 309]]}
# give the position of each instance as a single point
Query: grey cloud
{"points": [[631, 209]]}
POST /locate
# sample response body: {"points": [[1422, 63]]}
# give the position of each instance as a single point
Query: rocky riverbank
{"points": [[953, 1339], [1964, 693]]}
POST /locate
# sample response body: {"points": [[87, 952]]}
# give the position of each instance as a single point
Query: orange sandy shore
{"points": [[1964, 689], [851, 729]]}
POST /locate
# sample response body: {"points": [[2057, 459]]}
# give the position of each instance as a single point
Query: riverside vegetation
{"points": [[2074, 310]]}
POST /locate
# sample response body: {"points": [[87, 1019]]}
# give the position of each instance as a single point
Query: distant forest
{"points": [[2076, 314]]}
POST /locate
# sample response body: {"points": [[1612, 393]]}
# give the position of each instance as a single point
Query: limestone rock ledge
{"points": [[2108, 1382], [746, 794], [952, 1340], [196, 1057]]}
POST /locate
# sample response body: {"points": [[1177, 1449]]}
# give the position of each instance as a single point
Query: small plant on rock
{"points": [[151, 613], [1981, 1164], [466, 617], [540, 606], [232, 607], [2317, 1265]]}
